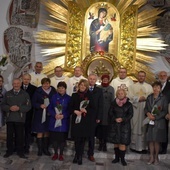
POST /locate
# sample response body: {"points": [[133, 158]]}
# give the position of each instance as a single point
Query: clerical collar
{"points": [[56, 77], [77, 78]]}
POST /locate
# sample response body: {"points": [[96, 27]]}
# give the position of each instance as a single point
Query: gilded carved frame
{"points": [[124, 52]]}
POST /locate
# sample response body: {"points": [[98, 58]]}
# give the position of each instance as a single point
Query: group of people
{"points": [[120, 112]]}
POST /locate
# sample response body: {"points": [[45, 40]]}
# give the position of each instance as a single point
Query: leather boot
{"points": [[45, 146], [75, 159], [122, 157], [39, 144], [79, 160], [104, 146], [100, 145], [116, 155]]}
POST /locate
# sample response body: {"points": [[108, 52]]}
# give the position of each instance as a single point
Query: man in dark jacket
{"points": [[15, 104], [97, 110], [163, 78], [30, 89]]}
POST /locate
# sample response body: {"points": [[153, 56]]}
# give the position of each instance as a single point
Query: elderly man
{"points": [[122, 81], [163, 78], [37, 76], [97, 98], [73, 81], [30, 89], [16, 104], [138, 93], [58, 71]]}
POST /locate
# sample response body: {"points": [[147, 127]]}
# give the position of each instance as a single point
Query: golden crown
{"points": [[103, 5]]}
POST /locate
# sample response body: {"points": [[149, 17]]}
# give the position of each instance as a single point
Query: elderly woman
{"points": [[80, 107], [108, 97], [119, 132], [156, 109], [40, 102], [59, 120]]}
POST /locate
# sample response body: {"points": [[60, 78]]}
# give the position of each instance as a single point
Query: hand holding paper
{"points": [[58, 111], [46, 103]]}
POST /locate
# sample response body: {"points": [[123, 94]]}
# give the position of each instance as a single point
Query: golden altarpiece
{"points": [[123, 39]]}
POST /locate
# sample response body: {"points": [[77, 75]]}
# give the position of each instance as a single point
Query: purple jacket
{"points": [[64, 101]]}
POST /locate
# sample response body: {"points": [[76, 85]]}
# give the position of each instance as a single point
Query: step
{"points": [[69, 149]]}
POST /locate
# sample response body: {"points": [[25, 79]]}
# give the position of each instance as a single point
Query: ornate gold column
{"points": [[128, 38], [74, 36]]}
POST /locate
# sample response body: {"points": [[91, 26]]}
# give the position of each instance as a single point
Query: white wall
{"points": [[4, 4]]}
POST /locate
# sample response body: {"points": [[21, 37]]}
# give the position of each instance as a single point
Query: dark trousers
{"points": [[91, 143], [164, 145], [102, 132], [27, 137], [28, 124], [58, 140], [79, 145], [15, 134]]}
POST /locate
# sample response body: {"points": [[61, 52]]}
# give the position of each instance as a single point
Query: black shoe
{"points": [[46, 152], [144, 151], [27, 151], [79, 161], [133, 150], [100, 147], [75, 159], [7, 155], [104, 148], [115, 161], [162, 152], [123, 162], [22, 156]]}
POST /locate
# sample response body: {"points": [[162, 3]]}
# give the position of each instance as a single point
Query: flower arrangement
{"points": [[83, 104], [58, 110], [155, 110], [59, 106], [3, 62]]}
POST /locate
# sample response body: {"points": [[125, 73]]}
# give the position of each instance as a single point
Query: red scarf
{"points": [[105, 84]]}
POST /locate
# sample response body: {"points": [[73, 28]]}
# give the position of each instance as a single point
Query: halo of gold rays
{"points": [[54, 39]]}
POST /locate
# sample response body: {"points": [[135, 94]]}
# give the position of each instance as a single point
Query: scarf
{"points": [[121, 102], [47, 91], [105, 84], [82, 94]]}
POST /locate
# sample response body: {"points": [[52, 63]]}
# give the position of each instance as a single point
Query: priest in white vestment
{"points": [[138, 93], [122, 81], [58, 71], [73, 81], [37, 76]]}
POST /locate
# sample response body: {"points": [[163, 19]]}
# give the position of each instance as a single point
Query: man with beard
{"points": [[138, 93]]}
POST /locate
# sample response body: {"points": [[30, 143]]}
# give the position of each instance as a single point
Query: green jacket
{"points": [[22, 100]]}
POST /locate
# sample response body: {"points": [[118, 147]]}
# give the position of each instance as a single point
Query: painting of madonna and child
{"points": [[101, 28]]}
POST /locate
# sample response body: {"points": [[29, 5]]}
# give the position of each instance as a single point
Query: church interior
{"points": [[134, 34], [58, 33]]}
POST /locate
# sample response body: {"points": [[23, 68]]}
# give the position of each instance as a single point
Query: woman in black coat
{"points": [[80, 128], [121, 112]]}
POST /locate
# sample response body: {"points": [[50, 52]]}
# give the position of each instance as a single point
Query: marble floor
{"points": [[103, 160]]}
